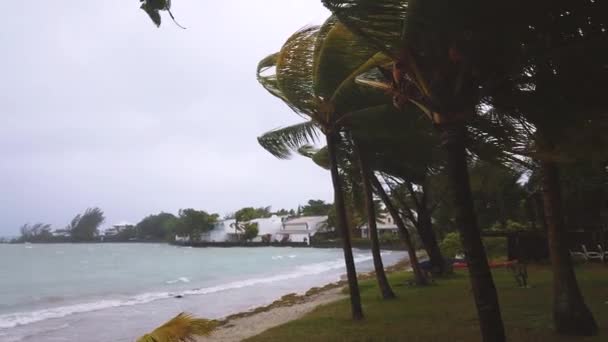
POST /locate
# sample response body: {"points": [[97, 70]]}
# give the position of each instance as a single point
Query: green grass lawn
{"points": [[445, 311]]}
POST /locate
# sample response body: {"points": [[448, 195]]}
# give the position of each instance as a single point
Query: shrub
{"points": [[451, 245], [496, 247]]}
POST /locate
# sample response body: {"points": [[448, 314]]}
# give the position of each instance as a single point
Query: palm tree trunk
{"points": [[427, 235], [570, 314], [424, 226], [351, 273], [366, 174], [419, 276], [453, 137]]}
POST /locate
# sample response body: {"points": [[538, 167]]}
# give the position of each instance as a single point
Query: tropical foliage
{"points": [[182, 328], [85, 226]]}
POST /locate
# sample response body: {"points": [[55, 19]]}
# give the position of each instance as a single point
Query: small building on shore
{"points": [[385, 225], [226, 230], [301, 229], [117, 228]]}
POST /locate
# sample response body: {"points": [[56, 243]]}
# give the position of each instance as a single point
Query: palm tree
{"points": [[443, 51], [315, 76], [370, 209], [419, 275], [557, 94], [404, 146]]}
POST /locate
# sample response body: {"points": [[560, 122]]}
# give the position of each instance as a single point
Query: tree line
{"points": [[86, 226]]}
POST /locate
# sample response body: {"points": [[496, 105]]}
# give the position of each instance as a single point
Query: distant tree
{"points": [[250, 213], [193, 223], [85, 227], [156, 227], [251, 231], [39, 232], [283, 212], [315, 208]]}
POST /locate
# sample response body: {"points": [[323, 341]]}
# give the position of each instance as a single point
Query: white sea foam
{"points": [[178, 280], [23, 318]]}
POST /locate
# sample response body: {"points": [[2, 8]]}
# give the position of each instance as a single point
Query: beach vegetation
{"points": [[85, 227], [191, 222], [157, 227], [251, 231], [182, 328]]}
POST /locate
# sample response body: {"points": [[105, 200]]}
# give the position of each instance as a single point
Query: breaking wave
{"points": [[22, 318]]}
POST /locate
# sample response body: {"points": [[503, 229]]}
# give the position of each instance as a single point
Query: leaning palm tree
{"points": [[559, 100], [315, 75], [366, 184], [357, 177], [443, 52]]}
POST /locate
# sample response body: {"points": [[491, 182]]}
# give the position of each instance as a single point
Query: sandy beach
{"points": [[291, 307]]}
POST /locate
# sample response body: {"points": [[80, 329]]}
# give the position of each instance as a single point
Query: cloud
{"points": [[101, 108]]}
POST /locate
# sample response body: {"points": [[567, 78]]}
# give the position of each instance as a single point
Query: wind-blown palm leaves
{"points": [[558, 91], [153, 8], [441, 49], [281, 142], [443, 53], [182, 328], [314, 74]]}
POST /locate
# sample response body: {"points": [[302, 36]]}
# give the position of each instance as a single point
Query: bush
{"points": [[496, 247], [451, 245], [387, 239], [251, 231]]}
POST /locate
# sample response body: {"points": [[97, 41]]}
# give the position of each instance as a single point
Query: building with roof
{"points": [[301, 229], [385, 225]]}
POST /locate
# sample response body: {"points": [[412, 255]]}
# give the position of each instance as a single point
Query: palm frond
{"points": [[182, 328], [153, 8], [340, 57], [269, 80], [294, 70], [381, 22], [307, 151], [321, 158], [282, 142]]}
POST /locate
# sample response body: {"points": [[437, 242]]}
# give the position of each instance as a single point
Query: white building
{"points": [[61, 233], [221, 232], [268, 226], [117, 228], [385, 226], [301, 229], [225, 230]]}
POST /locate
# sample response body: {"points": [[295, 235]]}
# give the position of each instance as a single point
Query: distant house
{"points": [[225, 230], [61, 233], [117, 228], [268, 226], [385, 226], [301, 229], [222, 231]]}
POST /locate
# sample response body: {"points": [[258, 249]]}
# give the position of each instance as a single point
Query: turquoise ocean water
{"points": [[78, 292]]}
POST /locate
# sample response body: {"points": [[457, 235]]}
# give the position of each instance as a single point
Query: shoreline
{"points": [[243, 325]]}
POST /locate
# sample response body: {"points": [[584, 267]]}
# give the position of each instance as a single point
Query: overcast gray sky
{"points": [[98, 107]]}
